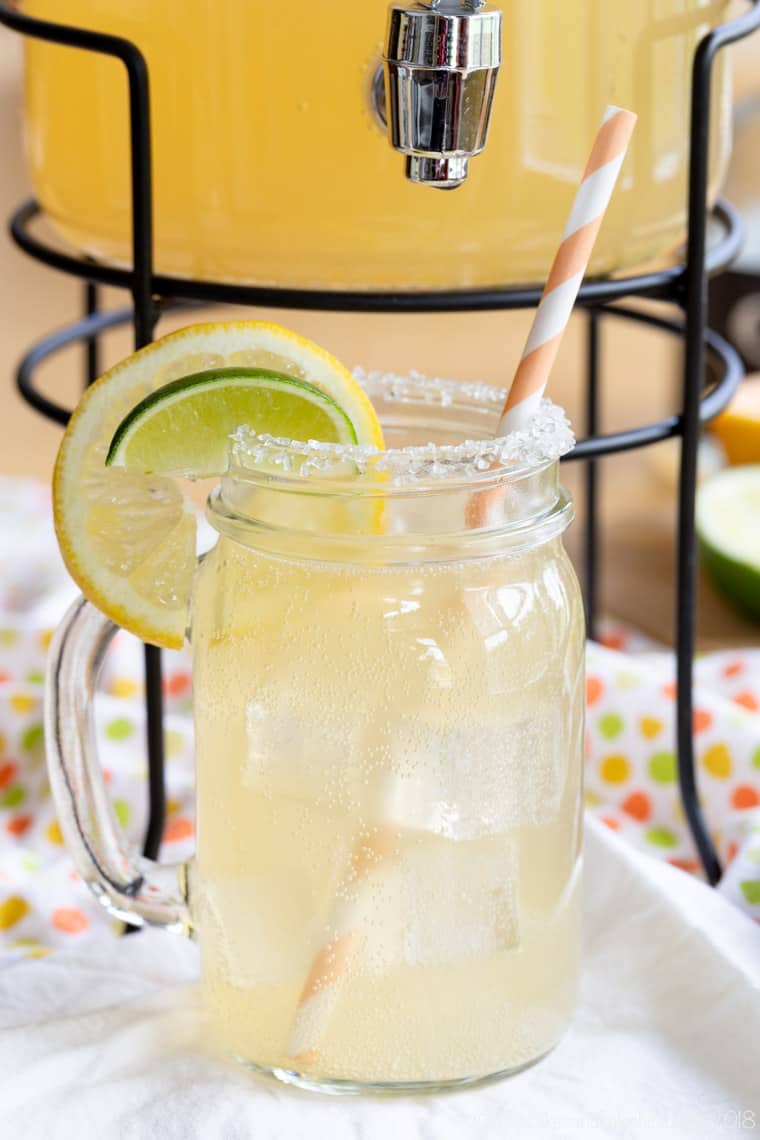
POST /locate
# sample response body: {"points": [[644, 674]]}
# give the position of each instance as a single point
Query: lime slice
{"points": [[126, 532], [728, 525], [184, 427]]}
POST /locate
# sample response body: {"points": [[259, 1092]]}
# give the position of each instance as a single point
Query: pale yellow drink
{"points": [[440, 698], [271, 166]]}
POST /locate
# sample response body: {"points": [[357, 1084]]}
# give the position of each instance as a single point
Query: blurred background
{"points": [[640, 372]]}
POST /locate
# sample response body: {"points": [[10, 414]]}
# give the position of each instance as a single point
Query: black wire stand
{"points": [[683, 285]]}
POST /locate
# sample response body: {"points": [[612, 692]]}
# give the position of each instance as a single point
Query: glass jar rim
{"points": [[332, 468]]}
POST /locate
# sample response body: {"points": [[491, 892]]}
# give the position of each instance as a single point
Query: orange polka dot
{"points": [[613, 640], [638, 805], [733, 668], [615, 769], [70, 920], [669, 690], [732, 851], [747, 700], [594, 690], [181, 828], [7, 773], [690, 865], [177, 684], [4, 676], [19, 824], [702, 720], [745, 796], [717, 761], [611, 822]]}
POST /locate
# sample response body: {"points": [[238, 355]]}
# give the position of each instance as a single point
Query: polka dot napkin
{"points": [[630, 751], [631, 765]]}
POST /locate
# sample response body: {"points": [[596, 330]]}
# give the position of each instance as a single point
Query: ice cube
{"points": [[465, 781], [296, 751], [255, 930], [441, 902]]}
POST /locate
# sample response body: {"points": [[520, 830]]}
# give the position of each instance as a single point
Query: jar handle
{"points": [[131, 887]]}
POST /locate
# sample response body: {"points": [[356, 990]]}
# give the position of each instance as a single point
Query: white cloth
{"points": [[104, 1042]]}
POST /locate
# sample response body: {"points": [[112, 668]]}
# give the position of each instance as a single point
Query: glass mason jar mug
{"points": [[388, 688]]}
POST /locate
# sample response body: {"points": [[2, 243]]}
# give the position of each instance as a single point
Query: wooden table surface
{"points": [[639, 384]]}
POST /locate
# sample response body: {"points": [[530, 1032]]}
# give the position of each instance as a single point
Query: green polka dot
{"points": [[662, 767], [751, 891], [660, 837], [32, 738], [626, 680], [13, 797], [30, 862], [122, 811], [120, 728], [756, 758], [8, 636], [610, 725], [35, 677], [753, 855]]}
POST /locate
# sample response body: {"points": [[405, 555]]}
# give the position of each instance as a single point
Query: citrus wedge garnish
{"points": [[126, 531], [185, 426], [738, 426], [728, 525]]}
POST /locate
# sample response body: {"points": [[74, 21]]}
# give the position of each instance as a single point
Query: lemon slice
{"points": [[738, 427], [126, 532], [728, 525]]}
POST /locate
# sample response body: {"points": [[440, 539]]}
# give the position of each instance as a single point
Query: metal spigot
{"points": [[441, 62]]}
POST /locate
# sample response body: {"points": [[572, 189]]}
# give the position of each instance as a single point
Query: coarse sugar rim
{"points": [[546, 436]]}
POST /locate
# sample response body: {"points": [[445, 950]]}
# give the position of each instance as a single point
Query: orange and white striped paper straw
{"points": [[332, 961], [568, 268]]}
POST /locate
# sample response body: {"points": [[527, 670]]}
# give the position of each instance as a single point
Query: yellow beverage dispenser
{"points": [[273, 156]]}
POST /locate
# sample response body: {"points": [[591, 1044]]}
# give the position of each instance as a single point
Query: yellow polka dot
{"points": [[174, 742], [12, 911], [650, 726], [31, 948], [53, 833], [3, 745], [124, 687], [615, 769], [46, 637], [23, 703], [172, 806], [591, 798], [717, 761], [678, 812]]}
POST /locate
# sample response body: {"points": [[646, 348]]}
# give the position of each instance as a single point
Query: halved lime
{"points": [[728, 525], [183, 428]]}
